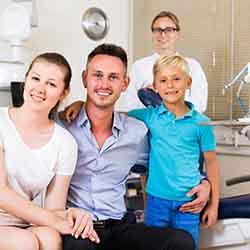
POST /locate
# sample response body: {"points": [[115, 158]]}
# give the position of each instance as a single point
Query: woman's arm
{"points": [[55, 200], [57, 191], [18, 206]]}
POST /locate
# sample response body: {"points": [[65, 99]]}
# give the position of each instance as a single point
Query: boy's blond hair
{"points": [[175, 60]]}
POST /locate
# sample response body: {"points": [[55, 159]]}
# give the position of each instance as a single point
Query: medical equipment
{"points": [[244, 78], [15, 28], [232, 232]]}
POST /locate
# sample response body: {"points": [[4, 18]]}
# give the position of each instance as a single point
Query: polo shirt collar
{"points": [[163, 109]]}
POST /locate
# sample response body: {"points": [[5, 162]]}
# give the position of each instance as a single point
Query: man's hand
{"points": [[210, 215], [202, 191], [150, 86], [83, 224], [70, 112]]}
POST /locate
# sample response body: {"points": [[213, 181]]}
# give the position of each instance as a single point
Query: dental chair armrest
{"points": [[234, 207], [149, 97], [237, 180]]}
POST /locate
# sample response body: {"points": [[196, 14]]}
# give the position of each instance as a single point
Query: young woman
{"points": [[36, 154]]}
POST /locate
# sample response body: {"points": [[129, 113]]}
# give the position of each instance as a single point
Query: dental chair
{"points": [[232, 232]]}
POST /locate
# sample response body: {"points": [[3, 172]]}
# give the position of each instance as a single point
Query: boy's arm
{"points": [[70, 112], [212, 168]]}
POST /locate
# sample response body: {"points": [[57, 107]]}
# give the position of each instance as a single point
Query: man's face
{"points": [[164, 34], [105, 80]]}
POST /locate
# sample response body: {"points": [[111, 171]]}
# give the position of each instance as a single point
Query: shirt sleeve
{"points": [[199, 88], [207, 139], [67, 156], [140, 114], [143, 152], [55, 117]]}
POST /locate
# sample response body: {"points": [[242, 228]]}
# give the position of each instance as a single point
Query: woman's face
{"points": [[44, 86], [164, 34]]}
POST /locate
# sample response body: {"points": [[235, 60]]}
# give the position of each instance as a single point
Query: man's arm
{"points": [[70, 112], [210, 215]]}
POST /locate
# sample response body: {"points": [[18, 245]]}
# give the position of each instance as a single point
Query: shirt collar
{"points": [[156, 55], [82, 118], [118, 124], [163, 109]]}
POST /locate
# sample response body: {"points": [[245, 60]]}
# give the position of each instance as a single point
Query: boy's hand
{"points": [[202, 191], [210, 215]]}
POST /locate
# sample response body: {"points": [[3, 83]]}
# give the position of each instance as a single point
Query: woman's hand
{"points": [[62, 225]]}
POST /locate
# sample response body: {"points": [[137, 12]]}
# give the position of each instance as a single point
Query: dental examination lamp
{"points": [[244, 78], [15, 28]]}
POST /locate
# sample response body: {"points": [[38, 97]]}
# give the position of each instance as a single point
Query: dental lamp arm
{"points": [[246, 131], [244, 71]]}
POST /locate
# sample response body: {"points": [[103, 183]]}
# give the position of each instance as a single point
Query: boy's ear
{"points": [[84, 76]]}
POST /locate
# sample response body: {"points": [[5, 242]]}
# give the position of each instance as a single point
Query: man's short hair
{"points": [[169, 15], [110, 50]]}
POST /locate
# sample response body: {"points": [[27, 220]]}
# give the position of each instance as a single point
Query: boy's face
{"points": [[172, 82]]}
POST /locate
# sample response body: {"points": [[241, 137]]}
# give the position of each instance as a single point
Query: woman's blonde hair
{"points": [[175, 60]]}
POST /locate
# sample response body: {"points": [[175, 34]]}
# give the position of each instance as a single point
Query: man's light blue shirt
{"points": [[98, 184], [175, 146]]}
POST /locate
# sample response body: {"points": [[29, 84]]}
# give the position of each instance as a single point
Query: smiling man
{"points": [[109, 144]]}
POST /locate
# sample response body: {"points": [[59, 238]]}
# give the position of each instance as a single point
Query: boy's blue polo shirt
{"points": [[175, 145]]}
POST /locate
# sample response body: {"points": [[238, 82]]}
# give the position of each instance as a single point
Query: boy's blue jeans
{"points": [[163, 213]]}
